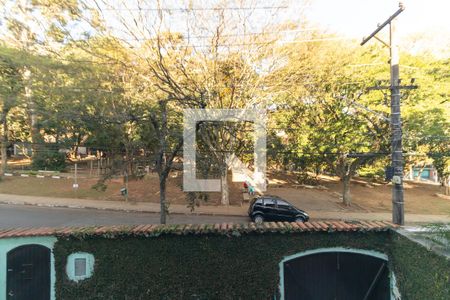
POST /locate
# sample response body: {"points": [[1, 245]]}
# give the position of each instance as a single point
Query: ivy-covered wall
{"points": [[230, 267], [420, 273]]}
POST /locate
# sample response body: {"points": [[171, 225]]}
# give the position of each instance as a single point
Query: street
{"points": [[33, 216]]}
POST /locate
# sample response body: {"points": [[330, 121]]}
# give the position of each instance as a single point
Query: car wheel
{"points": [[300, 219], [258, 219]]}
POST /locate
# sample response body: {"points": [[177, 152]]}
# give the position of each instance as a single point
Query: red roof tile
{"points": [[365, 224], [224, 228], [295, 226], [139, 228], [330, 225], [14, 232], [323, 225], [381, 224], [273, 225], [372, 225], [337, 226], [302, 226], [310, 226]]}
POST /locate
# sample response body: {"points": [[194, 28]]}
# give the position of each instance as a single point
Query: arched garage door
{"points": [[336, 275], [28, 273]]}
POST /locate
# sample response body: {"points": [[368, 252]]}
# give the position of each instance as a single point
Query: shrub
{"points": [[49, 160], [374, 172]]}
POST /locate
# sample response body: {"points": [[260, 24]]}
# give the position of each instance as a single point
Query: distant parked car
{"points": [[273, 208]]}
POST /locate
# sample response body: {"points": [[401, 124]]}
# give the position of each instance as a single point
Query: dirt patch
{"points": [[142, 190], [420, 198], [307, 199], [367, 196]]}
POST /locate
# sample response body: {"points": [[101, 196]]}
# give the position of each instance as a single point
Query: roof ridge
{"points": [[150, 230]]}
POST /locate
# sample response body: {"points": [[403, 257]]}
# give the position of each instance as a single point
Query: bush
{"points": [[304, 178], [49, 160], [100, 186], [373, 172]]}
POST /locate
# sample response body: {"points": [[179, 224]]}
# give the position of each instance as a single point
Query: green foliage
{"points": [[420, 273], [49, 160], [100, 186], [194, 199], [440, 233], [375, 172], [238, 266], [304, 178], [32, 173]]}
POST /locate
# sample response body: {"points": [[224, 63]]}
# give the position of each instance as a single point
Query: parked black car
{"points": [[273, 208]]}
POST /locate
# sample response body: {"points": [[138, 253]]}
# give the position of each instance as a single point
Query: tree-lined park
{"points": [[114, 79]]}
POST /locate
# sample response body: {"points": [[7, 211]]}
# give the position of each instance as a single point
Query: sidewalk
{"points": [[205, 209], [119, 205]]}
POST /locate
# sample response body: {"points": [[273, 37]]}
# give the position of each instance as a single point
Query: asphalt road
{"points": [[33, 216]]}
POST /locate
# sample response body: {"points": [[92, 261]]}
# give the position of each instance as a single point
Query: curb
{"points": [[117, 209], [194, 213]]}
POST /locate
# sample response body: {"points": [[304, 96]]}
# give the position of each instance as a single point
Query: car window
{"points": [[269, 202], [259, 202], [283, 204]]}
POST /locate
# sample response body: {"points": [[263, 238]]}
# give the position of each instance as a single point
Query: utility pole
{"points": [[398, 213], [395, 120], [75, 178]]}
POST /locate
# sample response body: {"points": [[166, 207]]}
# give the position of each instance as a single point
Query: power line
{"points": [[270, 151], [139, 144], [217, 45], [189, 9], [262, 43], [268, 43], [256, 43], [226, 35]]}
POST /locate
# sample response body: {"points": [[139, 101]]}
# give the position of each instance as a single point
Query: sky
{"points": [[423, 26], [428, 20]]}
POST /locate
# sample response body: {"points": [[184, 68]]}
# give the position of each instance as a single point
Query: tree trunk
{"points": [[346, 197], [162, 198], [4, 144], [125, 183], [419, 175], [31, 106], [4, 156], [447, 185], [225, 200], [163, 162]]}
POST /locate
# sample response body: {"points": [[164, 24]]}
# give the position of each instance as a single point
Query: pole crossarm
{"points": [[388, 21], [400, 87]]}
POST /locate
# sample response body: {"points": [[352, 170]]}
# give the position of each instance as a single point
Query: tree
{"points": [[10, 90], [38, 35], [427, 114], [171, 68], [326, 127]]}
